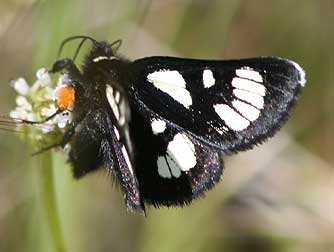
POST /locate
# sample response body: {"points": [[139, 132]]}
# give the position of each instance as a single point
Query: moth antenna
{"points": [[78, 49], [9, 125], [83, 37], [116, 44], [13, 130], [7, 121]]}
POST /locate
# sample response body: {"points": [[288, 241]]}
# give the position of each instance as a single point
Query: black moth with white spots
{"points": [[162, 125]]}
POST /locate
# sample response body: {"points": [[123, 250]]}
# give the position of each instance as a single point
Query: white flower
{"points": [[36, 103], [43, 79], [46, 112]]}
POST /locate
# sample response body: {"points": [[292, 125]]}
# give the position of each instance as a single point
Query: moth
{"points": [[163, 125]]}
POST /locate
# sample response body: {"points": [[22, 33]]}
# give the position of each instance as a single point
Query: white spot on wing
{"points": [[231, 117], [180, 156], [249, 73], [249, 86], [208, 79], [111, 100], [172, 83], [163, 168], [254, 99], [246, 110], [167, 168], [182, 151], [174, 168], [158, 126]]}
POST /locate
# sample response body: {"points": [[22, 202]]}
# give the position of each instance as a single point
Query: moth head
{"points": [[100, 49], [104, 51]]}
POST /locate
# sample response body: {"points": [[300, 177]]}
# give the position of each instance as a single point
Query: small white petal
{"points": [[13, 114], [63, 80], [46, 112], [19, 113], [42, 74], [30, 117], [49, 93], [43, 79], [62, 125], [62, 119], [21, 86], [22, 102]]}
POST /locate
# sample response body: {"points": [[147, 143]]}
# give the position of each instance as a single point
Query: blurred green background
{"points": [[277, 197]]}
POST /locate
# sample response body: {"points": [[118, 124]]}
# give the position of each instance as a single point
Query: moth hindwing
{"points": [[162, 125]]}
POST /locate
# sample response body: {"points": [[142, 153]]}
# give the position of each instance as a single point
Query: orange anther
{"points": [[65, 97]]}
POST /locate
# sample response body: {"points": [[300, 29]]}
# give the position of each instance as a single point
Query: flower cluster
{"points": [[35, 103]]}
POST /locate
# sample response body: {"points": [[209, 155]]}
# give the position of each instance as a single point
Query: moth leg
{"points": [[44, 149], [62, 64], [66, 139], [68, 65], [44, 120]]}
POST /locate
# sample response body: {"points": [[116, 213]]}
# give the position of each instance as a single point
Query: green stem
{"points": [[49, 201]]}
